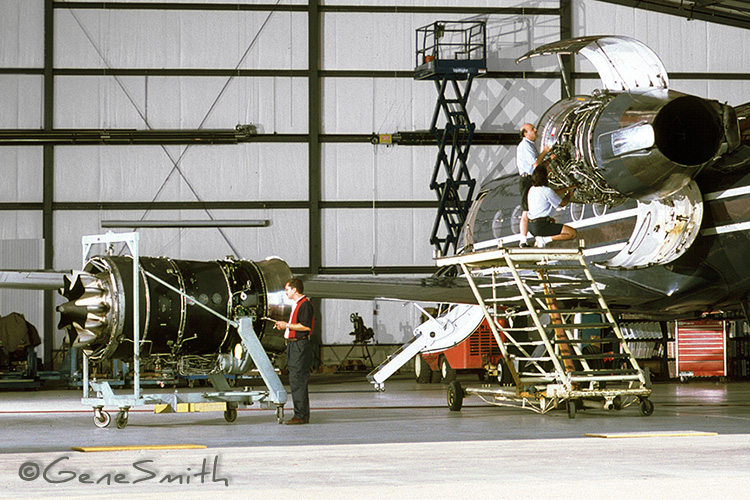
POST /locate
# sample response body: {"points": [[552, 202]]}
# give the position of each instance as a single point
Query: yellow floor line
{"points": [[140, 447], [653, 434]]}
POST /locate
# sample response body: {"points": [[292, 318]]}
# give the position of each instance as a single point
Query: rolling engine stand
{"points": [[556, 363], [276, 395]]}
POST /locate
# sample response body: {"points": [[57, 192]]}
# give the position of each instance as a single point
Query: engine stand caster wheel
{"points": [[572, 407], [101, 418], [230, 414], [121, 420]]}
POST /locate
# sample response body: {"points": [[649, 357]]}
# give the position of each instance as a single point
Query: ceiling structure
{"points": [[727, 12]]}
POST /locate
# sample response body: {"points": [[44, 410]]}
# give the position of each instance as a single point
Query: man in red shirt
{"points": [[299, 357]]}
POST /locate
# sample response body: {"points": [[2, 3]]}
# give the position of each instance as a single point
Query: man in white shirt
{"points": [[543, 202], [527, 158]]}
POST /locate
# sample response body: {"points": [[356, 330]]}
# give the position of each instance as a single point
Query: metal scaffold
{"points": [[553, 350], [449, 52]]}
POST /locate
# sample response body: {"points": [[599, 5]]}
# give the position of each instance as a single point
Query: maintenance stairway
{"points": [[538, 303]]}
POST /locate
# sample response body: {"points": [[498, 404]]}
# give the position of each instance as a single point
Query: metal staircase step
{"points": [[577, 326], [580, 311], [608, 340], [609, 355]]}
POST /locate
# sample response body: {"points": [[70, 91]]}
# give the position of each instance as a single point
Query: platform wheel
{"points": [[422, 371], [121, 420], [572, 408], [617, 402], [447, 373], [101, 418], [455, 396], [230, 414], [280, 414], [646, 407]]}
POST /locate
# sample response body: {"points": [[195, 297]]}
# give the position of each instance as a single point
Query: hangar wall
{"points": [[335, 200]]}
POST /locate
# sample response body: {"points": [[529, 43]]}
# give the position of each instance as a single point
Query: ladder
{"points": [[552, 352]]}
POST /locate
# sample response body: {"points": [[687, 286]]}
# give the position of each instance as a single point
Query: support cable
{"points": [[176, 163]]}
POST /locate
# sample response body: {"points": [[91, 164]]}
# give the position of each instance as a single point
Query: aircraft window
{"points": [[498, 221], [467, 232]]}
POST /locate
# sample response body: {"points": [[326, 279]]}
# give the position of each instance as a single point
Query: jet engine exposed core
{"points": [[645, 146], [99, 314]]}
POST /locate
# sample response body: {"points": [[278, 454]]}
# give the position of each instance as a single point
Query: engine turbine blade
{"points": [[71, 313], [85, 337]]}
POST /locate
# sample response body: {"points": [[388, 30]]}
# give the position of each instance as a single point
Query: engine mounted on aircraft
{"points": [[99, 314], [616, 146], [635, 140]]}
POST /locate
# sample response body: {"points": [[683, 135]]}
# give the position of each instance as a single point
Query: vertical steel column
{"points": [[566, 61], [314, 150], [48, 178], [314, 157]]}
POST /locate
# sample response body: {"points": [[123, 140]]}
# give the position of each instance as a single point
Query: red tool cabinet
{"points": [[701, 348]]}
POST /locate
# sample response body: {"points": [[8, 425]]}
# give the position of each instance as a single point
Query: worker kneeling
{"points": [[543, 201]]}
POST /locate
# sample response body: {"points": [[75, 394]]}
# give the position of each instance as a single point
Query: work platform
{"points": [[554, 353]]}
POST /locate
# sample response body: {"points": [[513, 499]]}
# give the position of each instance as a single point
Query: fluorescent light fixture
{"points": [[186, 223]]}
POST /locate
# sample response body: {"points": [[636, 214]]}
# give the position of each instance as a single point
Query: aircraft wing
{"points": [[621, 291], [32, 280], [410, 288], [361, 287], [407, 288]]}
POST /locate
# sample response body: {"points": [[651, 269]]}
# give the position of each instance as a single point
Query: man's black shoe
{"points": [[295, 421]]}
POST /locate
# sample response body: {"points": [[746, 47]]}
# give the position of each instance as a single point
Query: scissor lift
{"points": [[449, 52], [554, 361]]}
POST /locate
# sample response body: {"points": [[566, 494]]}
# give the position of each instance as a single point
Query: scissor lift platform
{"points": [[554, 361]]}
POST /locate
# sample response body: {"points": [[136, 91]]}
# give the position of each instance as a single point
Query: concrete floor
{"points": [[403, 443]]}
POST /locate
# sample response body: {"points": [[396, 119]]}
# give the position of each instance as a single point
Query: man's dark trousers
{"points": [[299, 361]]}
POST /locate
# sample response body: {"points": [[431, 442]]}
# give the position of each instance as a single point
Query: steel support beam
{"points": [[48, 179]]}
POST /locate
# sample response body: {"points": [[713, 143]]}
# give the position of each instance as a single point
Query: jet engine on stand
{"points": [[99, 317]]}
